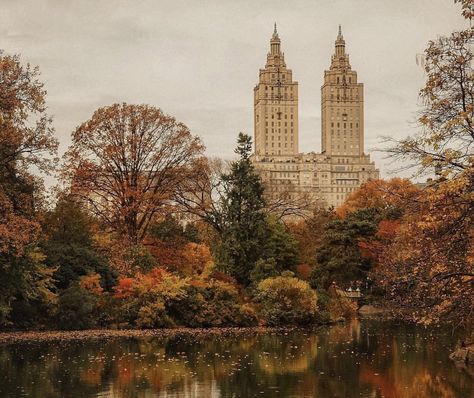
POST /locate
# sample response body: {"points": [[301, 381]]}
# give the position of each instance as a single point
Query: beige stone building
{"points": [[342, 166]]}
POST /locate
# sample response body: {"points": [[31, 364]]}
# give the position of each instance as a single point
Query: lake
{"points": [[366, 358]]}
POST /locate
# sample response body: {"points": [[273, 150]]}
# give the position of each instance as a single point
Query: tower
{"points": [[342, 106], [324, 179], [276, 105]]}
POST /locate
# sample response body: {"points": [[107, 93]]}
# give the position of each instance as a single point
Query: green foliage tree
{"points": [[69, 247], [171, 229], [76, 308], [339, 259], [245, 227]]}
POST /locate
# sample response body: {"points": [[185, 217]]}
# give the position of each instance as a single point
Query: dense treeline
{"points": [[147, 232]]}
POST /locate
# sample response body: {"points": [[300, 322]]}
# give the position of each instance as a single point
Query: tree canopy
{"points": [[127, 162]]}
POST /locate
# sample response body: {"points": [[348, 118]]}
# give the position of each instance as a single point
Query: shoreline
{"points": [[99, 334]]}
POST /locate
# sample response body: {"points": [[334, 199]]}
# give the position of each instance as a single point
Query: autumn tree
{"points": [[430, 268], [309, 234], [204, 196], [389, 197], [26, 141], [127, 162]]}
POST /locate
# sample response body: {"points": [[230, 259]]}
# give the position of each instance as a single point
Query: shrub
{"points": [[264, 269], [144, 301], [153, 315], [286, 300], [212, 303], [76, 308]]}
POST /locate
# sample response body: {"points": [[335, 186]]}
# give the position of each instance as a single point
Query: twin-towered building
{"points": [[342, 166]]}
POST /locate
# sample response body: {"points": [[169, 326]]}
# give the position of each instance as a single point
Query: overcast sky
{"points": [[199, 60]]}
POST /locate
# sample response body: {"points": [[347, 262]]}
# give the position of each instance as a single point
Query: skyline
{"points": [[200, 62]]}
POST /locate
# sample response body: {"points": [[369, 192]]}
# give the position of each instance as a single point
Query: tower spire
{"points": [[275, 41], [340, 44]]}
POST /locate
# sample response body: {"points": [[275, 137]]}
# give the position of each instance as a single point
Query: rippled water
{"points": [[359, 359]]}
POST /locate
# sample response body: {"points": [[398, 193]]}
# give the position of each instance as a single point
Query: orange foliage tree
{"points": [[391, 199], [26, 140], [429, 270], [384, 195], [308, 234], [127, 163]]}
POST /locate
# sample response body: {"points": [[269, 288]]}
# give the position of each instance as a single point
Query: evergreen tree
{"points": [[339, 258], [245, 226], [69, 247]]}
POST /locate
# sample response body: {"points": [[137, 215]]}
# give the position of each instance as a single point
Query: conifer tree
{"points": [[246, 228]]}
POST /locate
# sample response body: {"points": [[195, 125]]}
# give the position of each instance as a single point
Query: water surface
{"points": [[358, 359]]}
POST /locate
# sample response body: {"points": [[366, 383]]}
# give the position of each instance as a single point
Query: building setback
{"points": [[327, 177]]}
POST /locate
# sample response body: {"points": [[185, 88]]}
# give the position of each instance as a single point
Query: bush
{"points": [[144, 301], [263, 269], [76, 308], [286, 300], [212, 303], [153, 315]]}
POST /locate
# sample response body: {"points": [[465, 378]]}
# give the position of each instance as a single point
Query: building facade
{"points": [[342, 166], [276, 106]]}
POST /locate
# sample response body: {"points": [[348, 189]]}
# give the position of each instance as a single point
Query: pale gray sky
{"points": [[199, 60]]}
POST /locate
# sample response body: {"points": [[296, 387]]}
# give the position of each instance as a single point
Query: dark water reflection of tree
{"points": [[358, 359]]}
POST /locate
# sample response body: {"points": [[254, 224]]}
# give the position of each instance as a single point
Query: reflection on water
{"points": [[359, 359]]}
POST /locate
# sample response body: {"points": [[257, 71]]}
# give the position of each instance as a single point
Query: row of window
{"points": [[343, 97], [342, 79], [279, 130], [278, 117], [344, 133], [279, 137], [280, 88], [285, 96], [338, 124], [279, 124]]}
